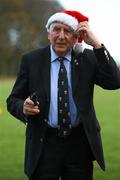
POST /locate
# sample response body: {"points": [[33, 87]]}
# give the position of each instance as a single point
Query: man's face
{"points": [[61, 37]]}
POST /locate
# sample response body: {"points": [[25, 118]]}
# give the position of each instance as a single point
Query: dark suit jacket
{"points": [[87, 68]]}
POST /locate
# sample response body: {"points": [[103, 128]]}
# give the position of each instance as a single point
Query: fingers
{"points": [[87, 35], [83, 26], [29, 108], [83, 30]]}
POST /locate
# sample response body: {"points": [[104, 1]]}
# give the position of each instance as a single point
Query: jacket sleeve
{"points": [[107, 73], [19, 93]]}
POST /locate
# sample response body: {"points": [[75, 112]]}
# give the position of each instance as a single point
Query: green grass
{"points": [[11, 139], [12, 136], [107, 105]]}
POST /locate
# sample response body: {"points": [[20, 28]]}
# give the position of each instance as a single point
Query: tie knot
{"points": [[60, 59]]}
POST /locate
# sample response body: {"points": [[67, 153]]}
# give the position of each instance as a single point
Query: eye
{"points": [[67, 30], [56, 29]]}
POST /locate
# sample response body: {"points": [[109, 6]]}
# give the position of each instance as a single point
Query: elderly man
{"points": [[53, 96]]}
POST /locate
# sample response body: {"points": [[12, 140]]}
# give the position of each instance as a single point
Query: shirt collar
{"points": [[54, 56]]}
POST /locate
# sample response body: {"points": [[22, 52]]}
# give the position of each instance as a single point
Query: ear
{"points": [[48, 35], [75, 40]]}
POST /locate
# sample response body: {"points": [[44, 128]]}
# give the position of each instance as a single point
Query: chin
{"points": [[61, 50]]}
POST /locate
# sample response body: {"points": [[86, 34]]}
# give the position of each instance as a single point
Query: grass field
{"points": [[12, 135]]}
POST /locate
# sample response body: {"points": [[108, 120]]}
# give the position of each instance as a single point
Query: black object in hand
{"points": [[34, 98]]}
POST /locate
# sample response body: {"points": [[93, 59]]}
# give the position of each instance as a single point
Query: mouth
{"points": [[61, 44]]}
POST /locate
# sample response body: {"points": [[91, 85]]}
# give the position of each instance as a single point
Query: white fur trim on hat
{"points": [[63, 18]]}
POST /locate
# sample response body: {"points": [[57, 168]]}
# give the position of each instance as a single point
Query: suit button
{"points": [[45, 120], [41, 140], [106, 54]]}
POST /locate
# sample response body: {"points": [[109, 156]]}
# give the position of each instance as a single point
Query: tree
{"points": [[22, 28]]}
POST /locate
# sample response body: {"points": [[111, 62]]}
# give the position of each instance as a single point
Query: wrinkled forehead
{"points": [[60, 25]]}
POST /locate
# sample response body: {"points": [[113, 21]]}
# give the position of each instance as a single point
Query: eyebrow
{"points": [[72, 30]]}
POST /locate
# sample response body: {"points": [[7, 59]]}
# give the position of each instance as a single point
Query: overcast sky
{"points": [[104, 18]]}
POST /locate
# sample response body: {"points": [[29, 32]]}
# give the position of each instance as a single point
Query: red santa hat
{"points": [[70, 18]]}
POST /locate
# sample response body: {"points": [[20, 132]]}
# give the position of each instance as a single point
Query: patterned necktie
{"points": [[64, 120]]}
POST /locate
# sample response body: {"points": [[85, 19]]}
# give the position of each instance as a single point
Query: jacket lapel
{"points": [[46, 71], [75, 70]]}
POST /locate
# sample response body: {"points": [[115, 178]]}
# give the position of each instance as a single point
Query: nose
{"points": [[62, 34]]}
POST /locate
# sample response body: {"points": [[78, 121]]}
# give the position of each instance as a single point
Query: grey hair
{"points": [[78, 48]]}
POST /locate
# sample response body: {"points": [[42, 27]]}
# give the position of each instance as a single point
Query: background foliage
{"points": [[22, 28]]}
